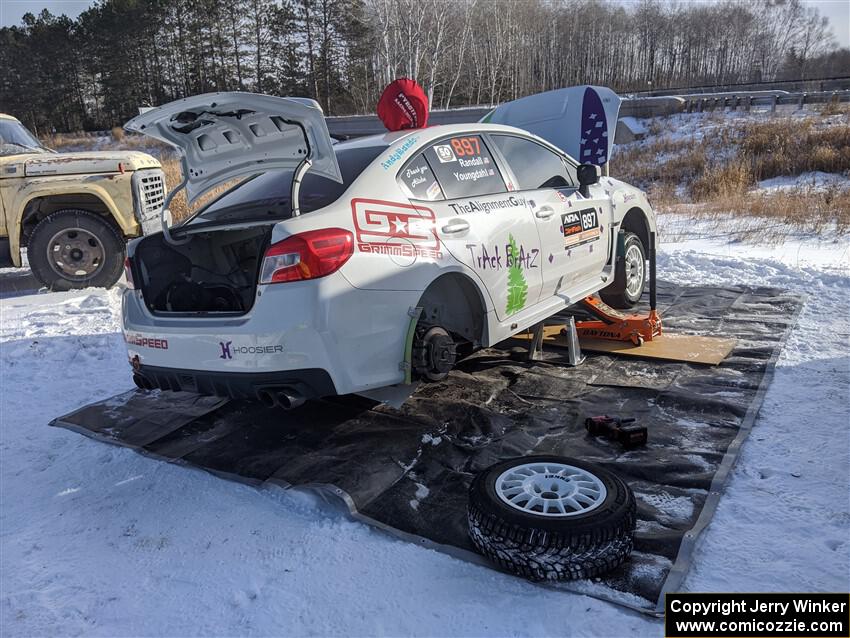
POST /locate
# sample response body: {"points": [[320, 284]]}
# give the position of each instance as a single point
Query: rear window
{"points": [[464, 167], [266, 196]]}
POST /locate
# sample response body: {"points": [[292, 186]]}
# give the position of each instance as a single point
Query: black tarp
{"points": [[408, 470]]}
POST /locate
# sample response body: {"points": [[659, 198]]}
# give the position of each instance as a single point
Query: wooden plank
{"points": [[667, 347]]}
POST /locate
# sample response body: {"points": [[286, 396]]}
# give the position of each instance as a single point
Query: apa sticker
{"points": [[580, 227]]}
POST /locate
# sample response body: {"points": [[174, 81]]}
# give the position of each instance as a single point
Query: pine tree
{"points": [[517, 286]]}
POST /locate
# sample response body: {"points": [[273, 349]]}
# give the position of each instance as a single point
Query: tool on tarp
{"points": [[625, 431]]}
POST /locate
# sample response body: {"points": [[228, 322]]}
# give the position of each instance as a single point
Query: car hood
{"points": [[222, 136], [86, 162], [580, 120]]}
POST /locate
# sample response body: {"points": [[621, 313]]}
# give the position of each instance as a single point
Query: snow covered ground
{"points": [[98, 540]]}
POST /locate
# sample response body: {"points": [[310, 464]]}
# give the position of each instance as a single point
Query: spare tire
{"points": [[551, 517]]}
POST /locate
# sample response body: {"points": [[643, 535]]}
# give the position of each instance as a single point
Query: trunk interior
{"points": [[215, 271]]}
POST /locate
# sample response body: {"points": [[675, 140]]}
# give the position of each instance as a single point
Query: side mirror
{"points": [[587, 174]]}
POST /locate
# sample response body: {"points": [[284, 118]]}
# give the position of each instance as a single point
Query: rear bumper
{"points": [[356, 337], [310, 383]]}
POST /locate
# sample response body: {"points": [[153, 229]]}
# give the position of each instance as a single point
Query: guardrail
{"points": [[698, 104], [812, 85]]}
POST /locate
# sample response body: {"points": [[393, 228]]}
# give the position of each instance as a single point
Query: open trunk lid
{"points": [[222, 136]]}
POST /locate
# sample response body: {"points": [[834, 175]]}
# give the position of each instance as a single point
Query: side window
{"points": [[534, 165], [418, 181], [464, 167]]}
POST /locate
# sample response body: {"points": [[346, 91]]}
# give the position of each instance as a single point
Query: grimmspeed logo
{"points": [[395, 229], [228, 350], [146, 342]]}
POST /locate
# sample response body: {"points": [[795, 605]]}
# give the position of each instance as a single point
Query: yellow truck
{"points": [[73, 212]]}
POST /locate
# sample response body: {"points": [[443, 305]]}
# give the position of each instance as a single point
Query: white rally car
{"points": [[359, 266]]}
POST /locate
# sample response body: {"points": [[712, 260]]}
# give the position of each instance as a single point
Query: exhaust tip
{"points": [[289, 399], [266, 398]]}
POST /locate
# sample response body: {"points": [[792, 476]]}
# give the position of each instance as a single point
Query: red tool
{"points": [[625, 431]]}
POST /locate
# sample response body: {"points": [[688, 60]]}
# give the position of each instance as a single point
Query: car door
{"points": [[480, 223], [574, 230]]}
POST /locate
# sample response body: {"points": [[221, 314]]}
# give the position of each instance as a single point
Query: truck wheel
{"points": [[76, 249], [551, 517], [629, 276]]}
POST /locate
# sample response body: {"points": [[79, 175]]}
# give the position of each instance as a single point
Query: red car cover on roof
{"points": [[403, 105]]}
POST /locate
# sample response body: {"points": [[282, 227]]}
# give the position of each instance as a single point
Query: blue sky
{"points": [[11, 11]]}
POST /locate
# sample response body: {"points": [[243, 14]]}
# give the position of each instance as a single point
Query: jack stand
{"points": [[535, 346], [575, 357], [569, 332]]}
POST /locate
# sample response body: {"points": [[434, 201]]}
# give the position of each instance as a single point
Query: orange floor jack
{"points": [[624, 334], [619, 326]]}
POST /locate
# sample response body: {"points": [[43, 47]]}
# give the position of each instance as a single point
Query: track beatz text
{"points": [[493, 258]]}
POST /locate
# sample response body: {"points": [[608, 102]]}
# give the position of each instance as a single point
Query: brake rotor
{"points": [[434, 353]]}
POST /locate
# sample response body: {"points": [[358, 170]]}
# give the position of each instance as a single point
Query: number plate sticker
{"points": [[580, 227]]}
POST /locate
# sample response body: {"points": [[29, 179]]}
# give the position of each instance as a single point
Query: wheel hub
{"points": [[434, 353], [75, 254], [550, 489]]}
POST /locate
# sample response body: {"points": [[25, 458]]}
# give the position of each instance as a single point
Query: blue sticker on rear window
{"points": [[398, 153]]}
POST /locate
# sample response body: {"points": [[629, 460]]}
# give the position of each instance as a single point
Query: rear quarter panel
{"points": [[396, 243]]}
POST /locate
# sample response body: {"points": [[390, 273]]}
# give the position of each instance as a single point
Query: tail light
{"points": [[128, 272], [307, 255]]}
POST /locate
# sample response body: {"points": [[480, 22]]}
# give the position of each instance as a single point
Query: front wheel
{"points": [[76, 249], [629, 277]]}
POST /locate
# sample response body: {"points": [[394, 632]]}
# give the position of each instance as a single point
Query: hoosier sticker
{"points": [[580, 227]]}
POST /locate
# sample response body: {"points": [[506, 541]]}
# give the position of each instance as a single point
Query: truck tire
{"points": [[629, 277], [76, 249], [524, 516]]}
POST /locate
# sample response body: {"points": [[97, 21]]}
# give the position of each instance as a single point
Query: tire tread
{"points": [[538, 554]]}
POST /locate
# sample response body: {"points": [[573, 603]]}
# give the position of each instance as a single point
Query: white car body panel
{"points": [[353, 323], [222, 136], [291, 327]]}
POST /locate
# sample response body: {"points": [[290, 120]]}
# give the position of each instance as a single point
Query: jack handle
{"points": [[653, 300]]}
